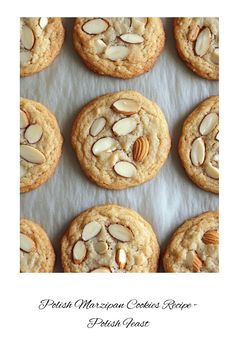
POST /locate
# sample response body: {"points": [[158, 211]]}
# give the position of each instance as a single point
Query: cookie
{"points": [[122, 47], [197, 42], [41, 39], [109, 239], [194, 246], [121, 139], [40, 144], [36, 251], [199, 145]]}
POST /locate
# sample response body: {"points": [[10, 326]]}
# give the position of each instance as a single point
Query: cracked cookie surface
{"points": [[122, 47], [199, 145], [197, 42], [36, 251], [121, 139], [109, 239], [41, 39], [194, 246], [40, 144]]}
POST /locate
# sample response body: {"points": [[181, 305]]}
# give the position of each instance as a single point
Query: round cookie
{"points": [[197, 42], [199, 145], [41, 39], [121, 139], [109, 239], [194, 245], [40, 144], [121, 47], [36, 251]]}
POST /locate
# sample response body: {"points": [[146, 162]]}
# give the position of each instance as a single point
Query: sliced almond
{"points": [[212, 171], [197, 153], [216, 158], [99, 46], [217, 136], [95, 26], [26, 243], [97, 126], [132, 38], [138, 24], [193, 261], [215, 56], [125, 169], [211, 237], [79, 252], [139, 19], [22, 171], [91, 230], [43, 21], [140, 149], [25, 57], [31, 154], [124, 126], [27, 37], [120, 232], [101, 270], [126, 106], [193, 33], [106, 144], [33, 133], [121, 258], [208, 123], [203, 42], [101, 247], [117, 52], [24, 121]]}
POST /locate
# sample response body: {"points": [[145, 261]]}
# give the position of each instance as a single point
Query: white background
{"points": [[206, 328]]}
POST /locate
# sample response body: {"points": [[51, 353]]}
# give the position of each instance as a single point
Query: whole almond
{"points": [[197, 264], [140, 149], [211, 237]]}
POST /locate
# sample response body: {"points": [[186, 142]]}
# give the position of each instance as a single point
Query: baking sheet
{"points": [[64, 88]]}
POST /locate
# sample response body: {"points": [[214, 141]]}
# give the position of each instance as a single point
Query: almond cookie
{"points": [[40, 144], [121, 139], [109, 239], [197, 42], [199, 145], [122, 47], [194, 246], [36, 251], [41, 39]]}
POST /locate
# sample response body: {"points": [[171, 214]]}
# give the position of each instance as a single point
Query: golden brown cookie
{"points": [[199, 145], [36, 251], [40, 144], [109, 239], [194, 246], [121, 47], [197, 42], [121, 139], [41, 39]]}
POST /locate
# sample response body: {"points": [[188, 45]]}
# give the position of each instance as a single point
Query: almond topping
{"points": [[31, 154], [99, 46], [197, 153], [211, 237], [25, 57], [140, 149], [203, 42], [124, 126], [117, 52], [215, 56], [197, 264], [208, 123], [120, 232], [106, 144], [43, 21], [26, 243], [24, 121], [101, 270], [212, 171], [79, 252], [95, 26], [193, 33], [91, 230], [27, 37], [97, 126], [125, 169], [121, 258], [132, 38], [33, 133], [126, 106], [101, 247]]}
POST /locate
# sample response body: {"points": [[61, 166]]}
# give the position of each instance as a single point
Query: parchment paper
{"points": [[65, 87]]}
